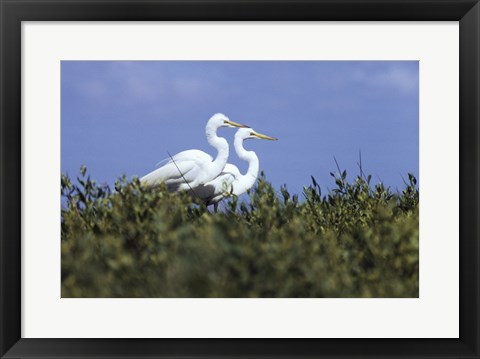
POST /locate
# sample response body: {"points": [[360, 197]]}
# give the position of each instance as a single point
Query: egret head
{"points": [[220, 120], [250, 133]]}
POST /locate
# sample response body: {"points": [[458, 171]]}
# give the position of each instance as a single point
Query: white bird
{"points": [[189, 169], [231, 181]]}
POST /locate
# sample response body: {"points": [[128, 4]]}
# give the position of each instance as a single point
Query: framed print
{"points": [[316, 195]]}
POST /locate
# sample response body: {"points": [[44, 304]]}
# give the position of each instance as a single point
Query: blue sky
{"points": [[121, 117]]}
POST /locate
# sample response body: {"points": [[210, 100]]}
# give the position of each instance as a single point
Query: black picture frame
{"points": [[13, 12]]}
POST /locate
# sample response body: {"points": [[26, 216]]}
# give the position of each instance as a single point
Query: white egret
{"points": [[189, 169], [231, 181]]}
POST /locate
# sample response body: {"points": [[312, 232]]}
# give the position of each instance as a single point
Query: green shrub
{"points": [[356, 241]]}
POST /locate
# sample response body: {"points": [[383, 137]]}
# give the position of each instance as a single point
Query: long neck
{"points": [[248, 179], [221, 145]]}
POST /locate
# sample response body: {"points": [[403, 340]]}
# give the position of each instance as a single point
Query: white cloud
{"points": [[192, 88], [393, 76], [134, 83], [92, 88]]}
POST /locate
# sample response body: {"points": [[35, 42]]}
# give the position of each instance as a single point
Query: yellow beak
{"points": [[234, 124], [264, 137]]}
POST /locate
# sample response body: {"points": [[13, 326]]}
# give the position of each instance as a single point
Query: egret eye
{"points": [[252, 133]]}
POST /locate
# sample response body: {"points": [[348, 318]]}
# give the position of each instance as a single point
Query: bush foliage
{"points": [[358, 240]]}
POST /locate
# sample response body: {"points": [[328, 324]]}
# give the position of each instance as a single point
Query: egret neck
{"points": [[247, 180], [221, 145]]}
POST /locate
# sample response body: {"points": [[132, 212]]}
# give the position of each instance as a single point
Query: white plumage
{"points": [[189, 169], [231, 181]]}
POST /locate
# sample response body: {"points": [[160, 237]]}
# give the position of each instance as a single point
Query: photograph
{"points": [[239, 179]]}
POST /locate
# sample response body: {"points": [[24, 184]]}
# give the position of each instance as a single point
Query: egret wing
{"points": [[215, 190], [188, 155], [232, 170], [180, 171], [181, 168]]}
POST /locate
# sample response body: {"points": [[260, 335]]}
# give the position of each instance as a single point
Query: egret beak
{"points": [[264, 137], [234, 124]]}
